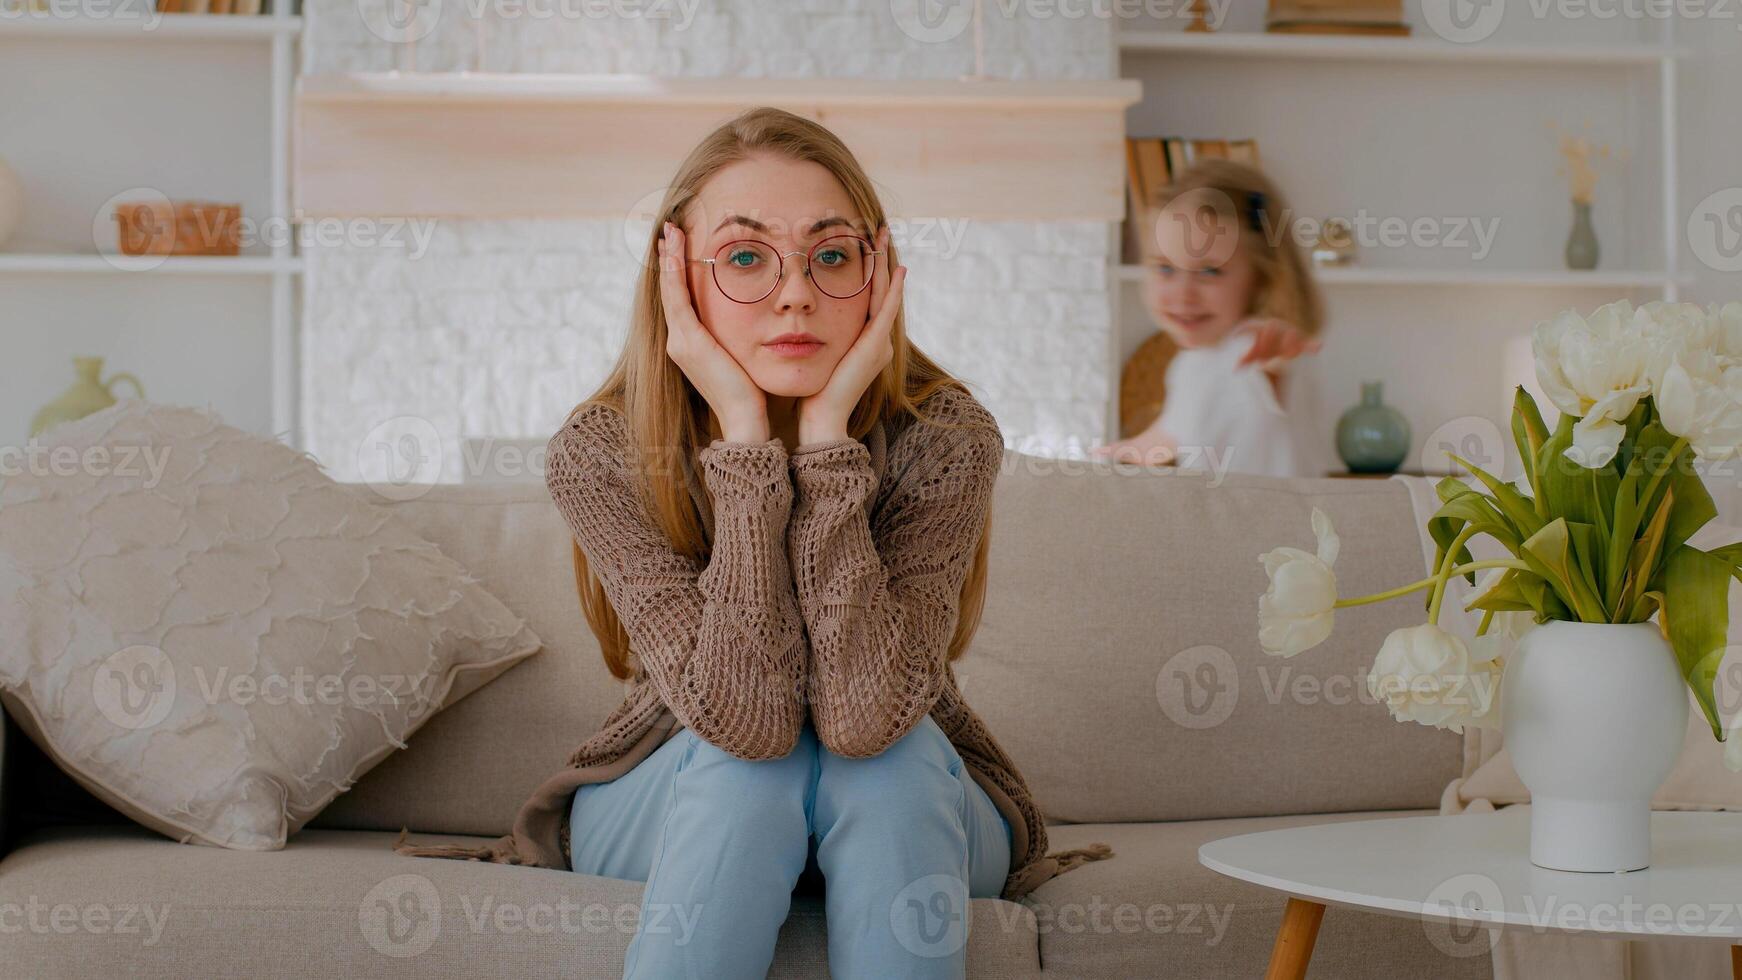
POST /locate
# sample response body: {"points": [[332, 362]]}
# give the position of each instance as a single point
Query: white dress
{"points": [[1228, 419]]}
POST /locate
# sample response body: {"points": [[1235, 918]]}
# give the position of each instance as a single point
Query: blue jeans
{"points": [[903, 838]]}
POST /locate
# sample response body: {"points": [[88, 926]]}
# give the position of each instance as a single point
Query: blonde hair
{"points": [[668, 417], [1245, 196]]}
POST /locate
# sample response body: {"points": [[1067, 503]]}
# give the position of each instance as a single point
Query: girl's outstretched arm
{"points": [[881, 606], [723, 645]]}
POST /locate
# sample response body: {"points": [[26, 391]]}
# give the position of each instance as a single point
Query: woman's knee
{"points": [[912, 766], [749, 788]]}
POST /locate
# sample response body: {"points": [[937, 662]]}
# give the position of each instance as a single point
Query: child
{"points": [[1227, 283]]}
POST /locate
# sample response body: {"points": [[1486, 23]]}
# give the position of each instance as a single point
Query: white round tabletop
{"points": [[1475, 867]]}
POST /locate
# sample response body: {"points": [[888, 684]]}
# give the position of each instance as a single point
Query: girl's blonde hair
{"points": [[1244, 195], [668, 417]]}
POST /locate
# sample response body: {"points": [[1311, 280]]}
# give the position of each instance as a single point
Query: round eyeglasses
{"points": [[748, 270]]}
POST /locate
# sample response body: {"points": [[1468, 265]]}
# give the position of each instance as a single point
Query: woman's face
{"points": [[1200, 282], [791, 205]]}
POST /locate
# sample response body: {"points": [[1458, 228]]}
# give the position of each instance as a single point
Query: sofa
{"points": [[1117, 661]]}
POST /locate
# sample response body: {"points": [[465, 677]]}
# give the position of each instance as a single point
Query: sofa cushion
{"points": [[342, 904], [211, 635], [1117, 658], [1155, 911], [471, 767]]}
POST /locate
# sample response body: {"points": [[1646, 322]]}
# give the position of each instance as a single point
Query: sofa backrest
{"points": [[1117, 659]]}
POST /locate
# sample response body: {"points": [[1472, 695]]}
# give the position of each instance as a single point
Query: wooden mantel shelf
{"points": [[493, 145]]}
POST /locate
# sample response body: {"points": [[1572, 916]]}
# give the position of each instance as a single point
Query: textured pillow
{"points": [[211, 635]]}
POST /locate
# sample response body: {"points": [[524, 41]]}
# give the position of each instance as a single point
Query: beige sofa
{"points": [[1117, 661]]}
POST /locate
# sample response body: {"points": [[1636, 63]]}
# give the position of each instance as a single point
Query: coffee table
{"points": [[1474, 870]]}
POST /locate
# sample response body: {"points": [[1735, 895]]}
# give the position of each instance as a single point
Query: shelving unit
{"points": [[1362, 78], [166, 27], [72, 270], [191, 265], [1357, 275], [1398, 49]]}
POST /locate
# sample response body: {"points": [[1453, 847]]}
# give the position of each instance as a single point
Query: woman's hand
{"points": [[822, 417], [1276, 343], [740, 404], [1151, 447]]}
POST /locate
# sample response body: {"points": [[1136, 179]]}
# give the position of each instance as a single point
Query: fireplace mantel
{"points": [[522, 145]]}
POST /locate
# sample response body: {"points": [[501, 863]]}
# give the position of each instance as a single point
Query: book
{"points": [[1179, 155], [1243, 151], [1136, 200], [1380, 10]]}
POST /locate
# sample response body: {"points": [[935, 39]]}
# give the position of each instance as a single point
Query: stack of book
{"points": [[1151, 164], [1379, 17], [209, 7]]}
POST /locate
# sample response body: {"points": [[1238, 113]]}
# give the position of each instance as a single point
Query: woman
{"points": [[779, 508]]}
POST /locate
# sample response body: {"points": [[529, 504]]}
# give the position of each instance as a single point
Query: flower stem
{"points": [[1433, 609], [1424, 583]]}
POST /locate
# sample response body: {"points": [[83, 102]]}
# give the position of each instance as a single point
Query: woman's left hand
{"points": [[822, 417], [1276, 343]]}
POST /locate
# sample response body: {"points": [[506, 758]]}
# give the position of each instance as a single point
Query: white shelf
{"points": [[1356, 275], [164, 27], [199, 265], [1412, 49]]}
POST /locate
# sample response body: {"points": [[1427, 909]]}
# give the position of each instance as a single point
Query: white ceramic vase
{"points": [[1594, 717]]}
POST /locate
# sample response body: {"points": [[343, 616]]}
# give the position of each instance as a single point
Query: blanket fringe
{"points": [[1080, 855], [498, 851]]}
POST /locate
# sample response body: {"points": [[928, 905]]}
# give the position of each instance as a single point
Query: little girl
{"points": [[779, 506], [1228, 285]]}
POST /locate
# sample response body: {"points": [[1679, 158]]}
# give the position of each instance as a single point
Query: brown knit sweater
{"points": [[832, 583]]}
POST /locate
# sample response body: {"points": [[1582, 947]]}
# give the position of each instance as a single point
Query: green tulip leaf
{"points": [[1695, 611]]}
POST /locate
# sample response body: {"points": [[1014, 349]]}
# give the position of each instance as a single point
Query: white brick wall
{"points": [[500, 327]]}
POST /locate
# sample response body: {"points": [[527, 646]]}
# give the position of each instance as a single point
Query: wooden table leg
{"points": [[1736, 962], [1294, 940]]}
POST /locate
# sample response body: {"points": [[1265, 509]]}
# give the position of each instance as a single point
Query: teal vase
{"points": [[1372, 437], [1582, 249]]}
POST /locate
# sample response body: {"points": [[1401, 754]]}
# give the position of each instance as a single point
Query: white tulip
{"points": [[1595, 369], [1695, 374], [1295, 614], [1427, 675], [1701, 401]]}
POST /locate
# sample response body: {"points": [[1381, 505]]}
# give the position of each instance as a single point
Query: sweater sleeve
{"points": [[722, 644], [881, 606]]}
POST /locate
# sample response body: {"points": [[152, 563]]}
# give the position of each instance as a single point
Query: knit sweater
{"points": [[830, 591]]}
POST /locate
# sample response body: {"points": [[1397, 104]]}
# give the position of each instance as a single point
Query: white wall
{"points": [[503, 326]]}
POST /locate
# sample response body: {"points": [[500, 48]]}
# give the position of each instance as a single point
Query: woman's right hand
{"points": [[741, 405]]}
